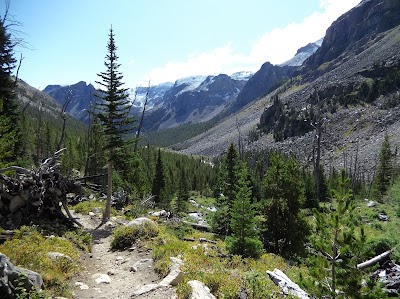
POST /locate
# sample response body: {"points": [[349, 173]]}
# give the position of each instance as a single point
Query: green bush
{"points": [[378, 246], [126, 236]]}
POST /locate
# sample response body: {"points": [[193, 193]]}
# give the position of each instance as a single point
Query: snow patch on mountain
{"points": [[244, 75], [303, 53]]}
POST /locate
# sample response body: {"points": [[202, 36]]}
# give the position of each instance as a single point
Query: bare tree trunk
{"points": [[240, 139], [141, 119], [107, 211], [64, 117], [89, 132], [19, 66]]}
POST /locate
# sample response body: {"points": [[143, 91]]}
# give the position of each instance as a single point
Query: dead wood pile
{"points": [[30, 195]]}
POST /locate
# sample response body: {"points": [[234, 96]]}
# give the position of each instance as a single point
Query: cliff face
{"points": [[262, 82], [354, 29]]}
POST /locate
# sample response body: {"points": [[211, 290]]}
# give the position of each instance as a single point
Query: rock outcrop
{"points": [[200, 290], [12, 277]]}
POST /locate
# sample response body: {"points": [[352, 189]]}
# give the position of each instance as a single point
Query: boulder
{"points": [[287, 286], [12, 276], [175, 275], [200, 290], [140, 221]]}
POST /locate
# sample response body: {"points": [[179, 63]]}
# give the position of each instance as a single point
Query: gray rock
{"points": [[140, 221], [82, 285], [200, 290], [383, 217], [101, 278], [12, 276], [57, 255], [371, 204], [145, 289], [175, 275], [288, 287]]}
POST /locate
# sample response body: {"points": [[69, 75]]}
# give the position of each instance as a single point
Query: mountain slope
{"points": [[80, 96], [355, 118], [195, 99]]}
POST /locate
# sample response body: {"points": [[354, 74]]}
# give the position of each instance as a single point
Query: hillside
{"points": [[357, 122]]}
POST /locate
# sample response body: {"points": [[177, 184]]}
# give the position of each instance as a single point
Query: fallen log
{"points": [[376, 259], [201, 227]]}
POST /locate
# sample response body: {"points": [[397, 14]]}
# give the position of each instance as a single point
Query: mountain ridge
{"points": [[350, 130]]}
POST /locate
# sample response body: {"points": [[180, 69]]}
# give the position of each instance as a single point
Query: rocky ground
{"points": [[115, 274]]}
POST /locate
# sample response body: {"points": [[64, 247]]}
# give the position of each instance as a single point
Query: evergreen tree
{"points": [[183, 192], [10, 133], [384, 170], [158, 189], [97, 159], [244, 240], [285, 228], [114, 114], [337, 248], [226, 190]]}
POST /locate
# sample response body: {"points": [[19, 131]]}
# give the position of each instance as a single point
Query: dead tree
{"points": [[318, 126], [141, 118], [64, 116], [38, 194]]}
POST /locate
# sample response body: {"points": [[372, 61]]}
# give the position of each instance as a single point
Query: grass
{"points": [[29, 248], [87, 206], [225, 276], [382, 235], [125, 236]]}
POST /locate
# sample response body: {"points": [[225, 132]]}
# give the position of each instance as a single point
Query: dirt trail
{"points": [[125, 271]]}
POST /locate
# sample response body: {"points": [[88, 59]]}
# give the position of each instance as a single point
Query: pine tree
{"points": [[244, 240], [10, 133], [97, 159], [114, 114], [226, 189], [285, 228], [336, 248], [183, 192], [159, 181], [384, 170]]}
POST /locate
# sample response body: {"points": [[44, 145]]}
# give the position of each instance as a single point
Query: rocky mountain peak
{"points": [[351, 31]]}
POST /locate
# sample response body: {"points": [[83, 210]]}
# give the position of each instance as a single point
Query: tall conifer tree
{"points": [[227, 188], [114, 113], [384, 170], [286, 229], [245, 237], [10, 133], [159, 180]]}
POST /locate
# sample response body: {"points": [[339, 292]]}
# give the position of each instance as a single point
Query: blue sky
{"points": [[164, 40]]}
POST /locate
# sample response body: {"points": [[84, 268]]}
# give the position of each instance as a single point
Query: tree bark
{"points": [[107, 211]]}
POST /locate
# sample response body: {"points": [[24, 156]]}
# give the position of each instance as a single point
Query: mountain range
{"points": [[188, 100], [352, 82], [348, 83]]}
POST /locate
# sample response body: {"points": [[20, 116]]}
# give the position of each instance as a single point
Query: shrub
{"points": [[126, 236], [82, 239], [378, 246]]}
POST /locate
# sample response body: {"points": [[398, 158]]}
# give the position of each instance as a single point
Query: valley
{"points": [[210, 186]]}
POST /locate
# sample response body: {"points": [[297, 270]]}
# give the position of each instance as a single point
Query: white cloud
{"points": [[275, 46]]}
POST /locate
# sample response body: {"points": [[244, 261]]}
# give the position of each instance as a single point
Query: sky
{"points": [[163, 40]]}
